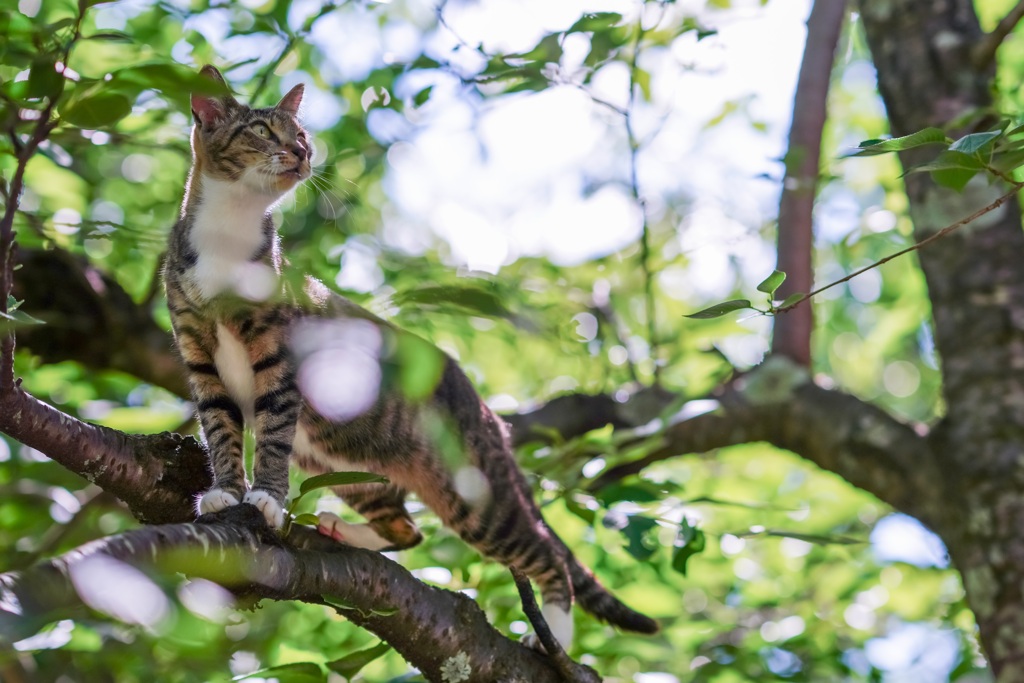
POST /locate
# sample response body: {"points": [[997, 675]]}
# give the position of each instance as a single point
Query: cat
{"points": [[246, 342]]}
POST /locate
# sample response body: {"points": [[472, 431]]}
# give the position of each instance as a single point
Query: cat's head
{"points": [[265, 149]]}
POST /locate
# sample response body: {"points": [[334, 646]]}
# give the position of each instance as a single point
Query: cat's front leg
{"points": [[221, 419], [276, 409]]}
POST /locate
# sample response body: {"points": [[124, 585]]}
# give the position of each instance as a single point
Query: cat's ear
{"points": [[290, 102], [207, 109]]}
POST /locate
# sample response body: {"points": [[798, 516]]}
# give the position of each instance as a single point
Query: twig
{"points": [[619, 330], [570, 671], [294, 39], [634, 186], [261, 85], [1016, 187], [985, 51]]}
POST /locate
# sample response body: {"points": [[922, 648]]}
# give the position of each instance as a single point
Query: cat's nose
{"points": [[299, 151]]}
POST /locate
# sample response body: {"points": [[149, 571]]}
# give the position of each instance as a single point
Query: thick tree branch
{"points": [[572, 415], [985, 52], [792, 333], [778, 404], [430, 627], [157, 476]]}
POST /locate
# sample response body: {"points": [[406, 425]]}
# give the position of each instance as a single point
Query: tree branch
{"points": [[792, 333], [938, 235], [985, 51], [157, 476], [430, 627], [777, 403]]}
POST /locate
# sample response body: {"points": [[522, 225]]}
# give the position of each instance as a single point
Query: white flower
{"points": [[456, 669]]}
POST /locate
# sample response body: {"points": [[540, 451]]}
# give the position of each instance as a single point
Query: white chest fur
{"points": [[235, 370], [226, 233]]}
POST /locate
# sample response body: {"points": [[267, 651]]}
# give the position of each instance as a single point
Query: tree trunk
{"points": [[923, 50]]}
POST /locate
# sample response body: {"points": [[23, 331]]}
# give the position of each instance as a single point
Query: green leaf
{"points": [[955, 179], [297, 671], [792, 299], [721, 309], [690, 541], [584, 513], [20, 318], [642, 79], [422, 96], [84, 639], [349, 665], [307, 518], [59, 25], [772, 282], [112, 36], [642, 492], [951, 159], [340, 479], [928, 136], [469, 297], [817, 539], [636, 531], [97, 110], [1008, 161], [549, 49], [420, 365], [595, 21], [969, 144], [44, 81]]}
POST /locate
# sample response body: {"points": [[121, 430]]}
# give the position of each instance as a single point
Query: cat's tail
{"points": [[595, 598]]}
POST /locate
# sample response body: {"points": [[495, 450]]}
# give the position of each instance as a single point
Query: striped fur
{"points": [[255, 357]]}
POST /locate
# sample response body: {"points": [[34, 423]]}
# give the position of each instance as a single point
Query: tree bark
{"points": [[923, 54], [778, 404], [429, 627], [157, 476]]}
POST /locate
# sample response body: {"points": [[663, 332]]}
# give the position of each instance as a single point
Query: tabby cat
{"points": [[246, 342]]}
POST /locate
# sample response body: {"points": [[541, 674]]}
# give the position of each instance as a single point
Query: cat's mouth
{"points": [[291, 173]]}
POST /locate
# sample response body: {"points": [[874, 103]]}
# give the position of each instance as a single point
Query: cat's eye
{"points": [[262, 131]]}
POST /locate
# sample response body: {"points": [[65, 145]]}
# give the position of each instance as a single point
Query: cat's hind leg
{"points": [[388, 524]]}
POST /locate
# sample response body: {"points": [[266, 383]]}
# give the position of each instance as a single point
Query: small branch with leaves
{"points": [[998, 152]]}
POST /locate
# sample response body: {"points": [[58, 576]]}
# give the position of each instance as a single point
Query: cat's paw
{"points": [[272, 510], [531, 641], [216, 500], [560, 623], [332, 525], [357, 535]]}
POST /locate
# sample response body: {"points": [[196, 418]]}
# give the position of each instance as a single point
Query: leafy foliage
{"points": [[676, 543]]}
